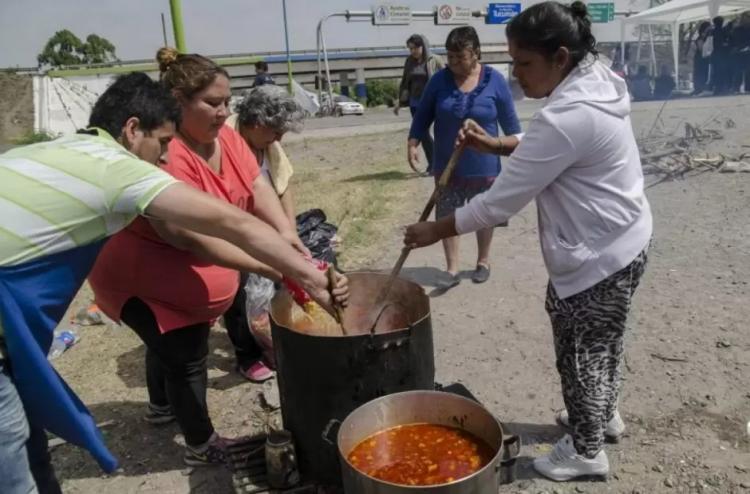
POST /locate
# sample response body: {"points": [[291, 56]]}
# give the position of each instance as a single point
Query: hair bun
{"points": [[166, 56], [579, 9]]}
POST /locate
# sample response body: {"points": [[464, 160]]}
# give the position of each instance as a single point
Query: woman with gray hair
{"points": [[262, 118]]}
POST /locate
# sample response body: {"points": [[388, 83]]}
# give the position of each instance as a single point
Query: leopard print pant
{"points": [[589, 331]]}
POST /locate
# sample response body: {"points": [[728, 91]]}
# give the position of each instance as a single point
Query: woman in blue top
{"points": [[465, 89]]}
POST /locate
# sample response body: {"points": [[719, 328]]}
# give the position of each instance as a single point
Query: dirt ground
{"points": [[686, 398], [16, 107]]}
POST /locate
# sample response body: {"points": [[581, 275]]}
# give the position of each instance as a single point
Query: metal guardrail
{"points": [[149, 65]]}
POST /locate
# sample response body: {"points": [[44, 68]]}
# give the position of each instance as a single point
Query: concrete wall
{"points": [[63, 105]]}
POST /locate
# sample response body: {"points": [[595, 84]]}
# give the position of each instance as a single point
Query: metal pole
{"points": [[328, 71], [622, 43], [288, 56], [175, 7], [676, 52], [317, 50], [638, 51], [164, 29], [321, 51], [653, 50]]}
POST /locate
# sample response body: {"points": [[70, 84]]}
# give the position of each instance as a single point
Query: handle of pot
{"points": [[512, 449], [385, 340], [510, 452], [325, 435]]}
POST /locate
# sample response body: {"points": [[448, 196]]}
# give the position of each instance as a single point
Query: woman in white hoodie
{"points": [[579, 160]]}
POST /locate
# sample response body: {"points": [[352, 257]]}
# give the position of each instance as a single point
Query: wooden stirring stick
{"points": [[338, 310], [439, 187]]}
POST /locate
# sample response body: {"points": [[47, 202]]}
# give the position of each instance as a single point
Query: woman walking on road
{"points": [[419, 67], [465, 89], [579, 160]]}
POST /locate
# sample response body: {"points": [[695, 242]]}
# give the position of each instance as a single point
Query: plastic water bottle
{"points": [[61, 342]]}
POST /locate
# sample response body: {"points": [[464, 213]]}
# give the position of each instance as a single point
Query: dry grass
{"points": [[364, 186]]}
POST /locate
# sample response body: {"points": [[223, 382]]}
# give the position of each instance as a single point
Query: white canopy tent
{"points": [[679, 12]]}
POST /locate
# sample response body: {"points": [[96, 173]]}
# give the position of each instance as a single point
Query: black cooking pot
{"points": [[324, 378]]}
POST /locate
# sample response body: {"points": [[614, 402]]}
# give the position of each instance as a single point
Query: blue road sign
{"points": [[501, 13]]}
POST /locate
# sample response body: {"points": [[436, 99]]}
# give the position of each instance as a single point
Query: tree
{"points": [[98, 50], [65, 48]]}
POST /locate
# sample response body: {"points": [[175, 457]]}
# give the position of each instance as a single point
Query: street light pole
{"points": [[288, 56], [164, 29]]}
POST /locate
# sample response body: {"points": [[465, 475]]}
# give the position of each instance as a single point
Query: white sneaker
{"points": [[564, 463], [612, 433]]}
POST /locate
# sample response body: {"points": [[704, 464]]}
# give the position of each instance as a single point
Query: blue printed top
{"points": [[447, 106]]}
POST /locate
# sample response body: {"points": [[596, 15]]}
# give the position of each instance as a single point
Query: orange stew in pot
{"points": [[421, 454]]}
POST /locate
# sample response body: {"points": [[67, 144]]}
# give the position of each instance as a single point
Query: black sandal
{"points": [[481, 274], [449, 282]]}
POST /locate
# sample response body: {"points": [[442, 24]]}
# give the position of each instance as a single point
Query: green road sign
{"points": [[601, 12]]}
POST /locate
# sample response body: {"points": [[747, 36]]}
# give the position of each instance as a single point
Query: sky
{"points": [[215, 27]]}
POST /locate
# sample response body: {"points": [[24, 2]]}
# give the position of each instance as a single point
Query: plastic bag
{"points": [[260, 291], [318, 235]]}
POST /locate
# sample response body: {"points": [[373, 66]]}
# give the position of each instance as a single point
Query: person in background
{"points": [[60, 202], [420, 66], [640, 85], [168, 284], [741, 53], [701, 60], [579, 159], [262, 118], [262, 77], [664, 84], [720, 58], [465, 89]]}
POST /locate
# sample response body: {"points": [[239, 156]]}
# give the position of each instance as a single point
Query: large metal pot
{"points": [[434, 407], [324, 378]]}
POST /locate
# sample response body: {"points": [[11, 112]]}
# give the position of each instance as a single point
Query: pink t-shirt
{"points": [[179, 287]]}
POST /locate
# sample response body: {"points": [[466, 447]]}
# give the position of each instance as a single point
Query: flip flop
{"points": [[481, 274], [449, 282]]}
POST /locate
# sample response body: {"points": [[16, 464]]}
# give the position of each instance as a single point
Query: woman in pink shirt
{"points": [[169, 284]]}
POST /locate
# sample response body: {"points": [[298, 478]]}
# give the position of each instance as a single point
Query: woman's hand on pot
{"points": [[340, 291], [474, 136], [421, 234], [327, 297]]}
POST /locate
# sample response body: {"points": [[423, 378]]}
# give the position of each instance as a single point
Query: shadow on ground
{"points": [[389, 175], [141, 449], [131, 366]]}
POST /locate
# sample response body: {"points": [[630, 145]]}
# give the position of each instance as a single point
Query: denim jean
{"points": [[25, 463]]}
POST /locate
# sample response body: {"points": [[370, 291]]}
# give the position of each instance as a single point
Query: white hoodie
{"points": [[579, 159]]}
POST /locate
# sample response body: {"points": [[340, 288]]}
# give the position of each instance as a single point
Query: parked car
{"points": [[347, 106]]}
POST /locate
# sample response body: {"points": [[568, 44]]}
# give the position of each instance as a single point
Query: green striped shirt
{"points": [[70, 192]]}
